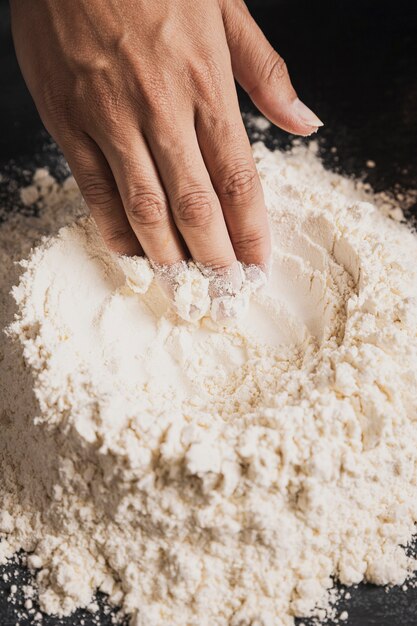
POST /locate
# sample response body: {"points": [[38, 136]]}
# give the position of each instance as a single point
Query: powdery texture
{"points": [[208, 475], [195, 291]]}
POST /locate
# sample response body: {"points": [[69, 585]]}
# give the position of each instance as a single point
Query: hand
{"points": [[141, 98]]}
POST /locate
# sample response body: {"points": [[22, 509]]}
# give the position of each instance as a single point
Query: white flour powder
{"points": [[204, 475]]}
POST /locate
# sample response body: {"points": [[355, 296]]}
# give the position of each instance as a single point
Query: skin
{"points": [[140, 96]]}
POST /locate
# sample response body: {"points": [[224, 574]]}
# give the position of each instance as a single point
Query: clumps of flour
{"points": [[196, 291], [202, 473], [138, 272]]}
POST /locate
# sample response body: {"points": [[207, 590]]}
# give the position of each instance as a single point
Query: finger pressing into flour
{"points": [[99, 189], [263, 73], [144, 198], [193, 201], [228, 156]]}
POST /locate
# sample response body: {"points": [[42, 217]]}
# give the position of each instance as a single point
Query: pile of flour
{"points": [[212, 474]]}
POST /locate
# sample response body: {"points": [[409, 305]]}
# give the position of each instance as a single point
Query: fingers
{"points": [[263, 73], [144, 199], [227, 154], [98, 187], [195, 207]]}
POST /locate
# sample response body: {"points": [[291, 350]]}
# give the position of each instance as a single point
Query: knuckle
{"points": [[98, 191], [116, 237], [196, 207], [274, 68], [207, 79], [240, 182], [251, 244], [146, 208], [153, 99]]}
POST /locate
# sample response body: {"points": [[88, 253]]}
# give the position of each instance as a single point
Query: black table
{"points": [[355, 63]]}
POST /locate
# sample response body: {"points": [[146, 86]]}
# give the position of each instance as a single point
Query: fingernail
{"points": [[237, 276], [165, 277], [224, 282], [229, 308], [305, 114], [257, 276]]}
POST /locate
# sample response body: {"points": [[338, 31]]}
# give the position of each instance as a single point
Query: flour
{"points": [[204, 473]]}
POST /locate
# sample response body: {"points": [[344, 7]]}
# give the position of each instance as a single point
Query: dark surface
{"points": [[355, 63]]}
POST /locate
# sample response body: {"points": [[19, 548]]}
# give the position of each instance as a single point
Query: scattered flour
{"points": [[258, 125], [204, 474]]}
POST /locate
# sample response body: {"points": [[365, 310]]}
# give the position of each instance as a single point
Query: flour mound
{"points": [[211, 474]]}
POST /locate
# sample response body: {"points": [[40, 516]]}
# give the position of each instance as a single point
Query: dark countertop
{"points": [[355, 63]]}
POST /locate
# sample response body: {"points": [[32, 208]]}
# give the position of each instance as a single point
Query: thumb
{"points": [[262, 72]]}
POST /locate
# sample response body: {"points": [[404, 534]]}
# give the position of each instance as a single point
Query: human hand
{"points": [[141, 98]]}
